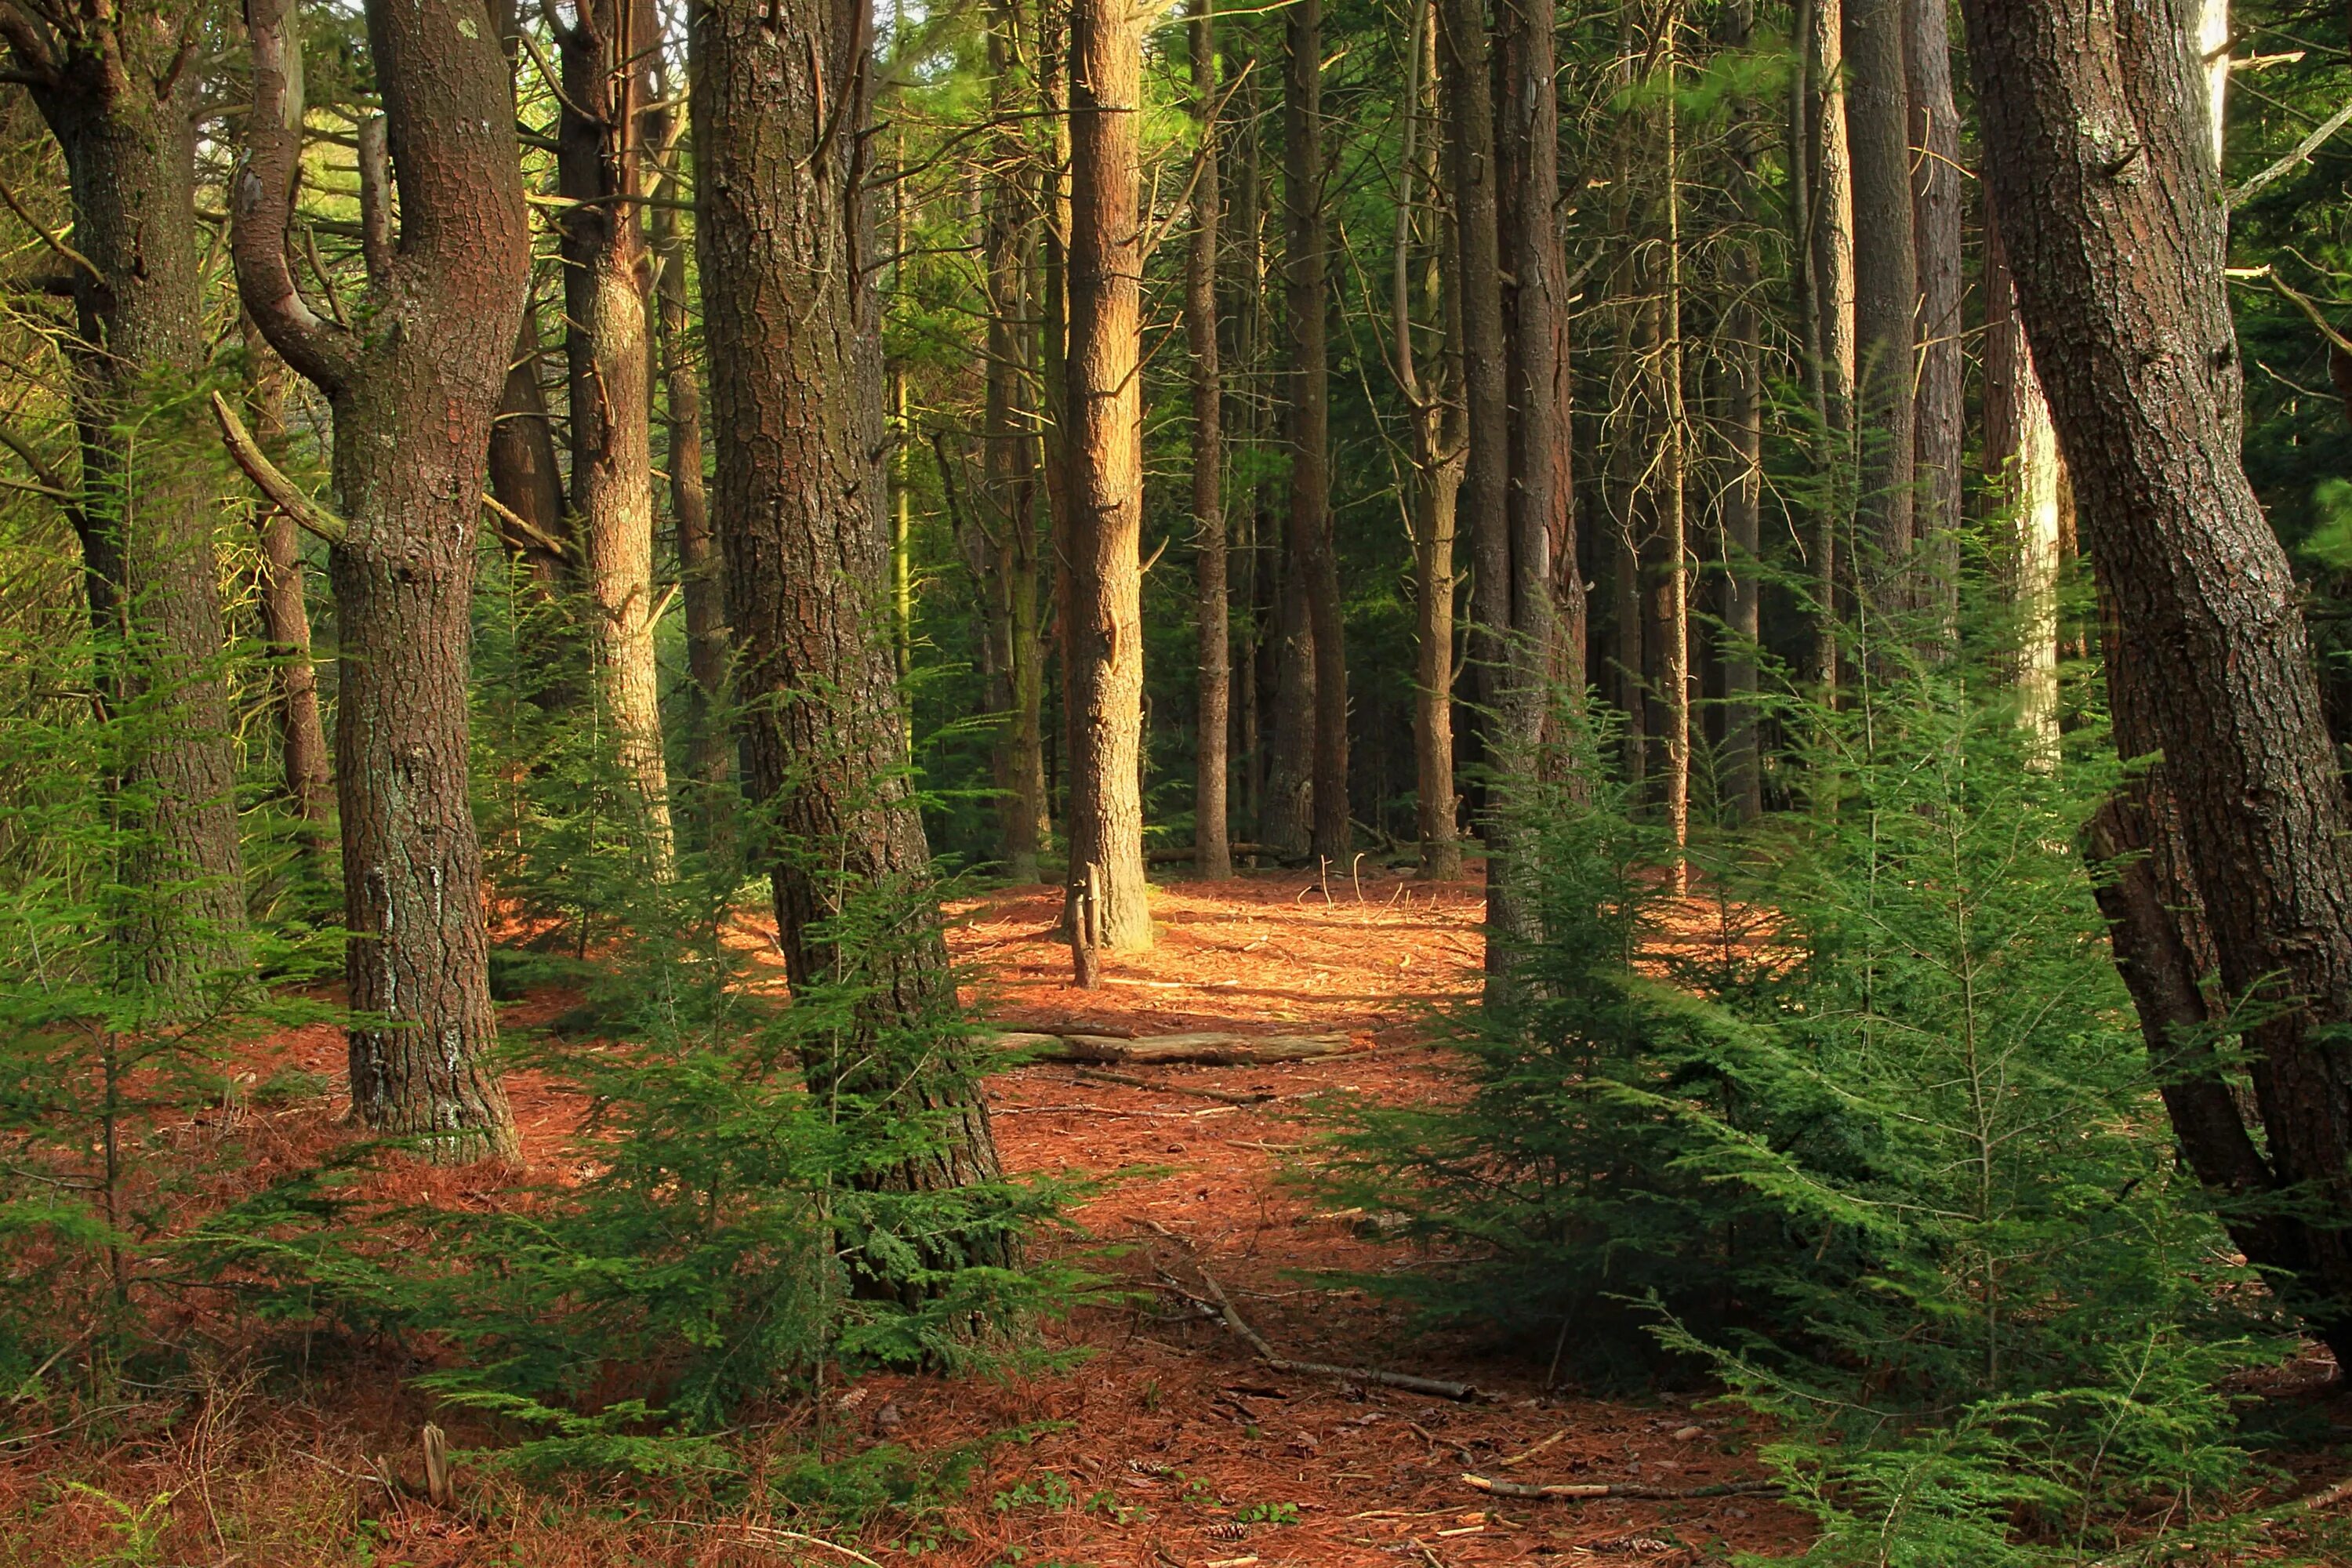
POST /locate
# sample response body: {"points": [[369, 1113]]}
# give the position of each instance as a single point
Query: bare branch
{"points": [[275, 487]]}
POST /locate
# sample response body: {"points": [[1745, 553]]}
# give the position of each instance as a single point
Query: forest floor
{"points": [[1164, 1442]]}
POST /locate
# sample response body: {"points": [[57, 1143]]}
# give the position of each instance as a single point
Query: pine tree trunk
{"points": [[1830, 261], [1211, 853], [2021, 460], [1740, 503], [1245, 224], [2095, 121], [146, 505], [1941, 409], [524, 476], [1105, 625], [1887, 293], [793, 327], [414, 398], [1671, 582], [1312, 563], [599, 168], [286, 620]]}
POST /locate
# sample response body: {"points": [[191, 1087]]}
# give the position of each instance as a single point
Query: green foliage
{"points": [[1874, 1139]]}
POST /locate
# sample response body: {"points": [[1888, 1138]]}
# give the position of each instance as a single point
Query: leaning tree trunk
{"points": [[2095, 121], [1314, 562], [1939, 409], [1886, 284], [1212, 851], [1106, 479], [414, 396], [145, 508], [600, 173], [793, 327]]}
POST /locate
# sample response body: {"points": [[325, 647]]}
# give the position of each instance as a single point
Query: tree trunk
{"points": [[1212, 851], [286, 619], [793, 327], [1741, 502], [1939, 409], [414, 398], [1670, 583], [1106, 406], [524, 477], [600, 170], [2095, 121], [2022, 460], [1886, 294], [145, 518], [1830, 260], [1314, 562], [1246, 227]]}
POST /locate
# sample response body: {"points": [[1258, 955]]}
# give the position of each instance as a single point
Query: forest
{"points": [[1029, 782]]}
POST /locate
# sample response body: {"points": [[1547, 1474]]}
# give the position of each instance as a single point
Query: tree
{"points": [[284, 611], [1826, 216], [1211, 853], [413, 389], [118, 89], [1105, 623], [785, 234], [2095, 119], [1939, 407], [1886, 296], [2022, 460], [600, 173], [1741, 501]]}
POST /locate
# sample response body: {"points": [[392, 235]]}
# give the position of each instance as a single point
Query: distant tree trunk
{"points": [[1437, 455], [524, 477], [1830, 261], [1886, 296], [2096, 120], [1941, 409], [1669, 583], [600, 169], [1247, 225], [1741, 504], [122, 108], [1106, 393], [792, 326], [1008, 460], [1486, 377], [1314, 562], [702, 577], [414, 398], [286, 619], [1053, 57], [2022, 460], [1211, 854]]}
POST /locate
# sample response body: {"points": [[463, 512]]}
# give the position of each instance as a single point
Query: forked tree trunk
{"points": [[1886, 294], [792, 326], [413, 396], [1106, 411], [1941, 409], [2096, 122], [1314, 562], [146, 505], [600, 171], [1212, 851]]}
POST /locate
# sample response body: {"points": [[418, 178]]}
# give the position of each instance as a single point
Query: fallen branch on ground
{"points": [[1435, 1386], [1097, 1075], [1581, 1491], [1206, 1047]]}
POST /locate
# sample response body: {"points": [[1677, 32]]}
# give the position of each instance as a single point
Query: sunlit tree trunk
{"points": [[2022, 460], [1211, 854], [1829, 247], [1939, 409]]}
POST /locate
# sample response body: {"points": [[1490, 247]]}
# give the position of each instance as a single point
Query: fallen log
{"points": [[1579, 1492], [1207, 1048]]}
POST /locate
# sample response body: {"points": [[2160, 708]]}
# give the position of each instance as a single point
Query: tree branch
{"points": [[275, 487], [262, 207], [375, 199], [53, 241]]}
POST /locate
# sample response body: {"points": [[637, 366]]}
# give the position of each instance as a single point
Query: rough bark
{"points": [[1213, 856], [414, 392], [1313, 564], [115, 90], [284, 611], [2021, 460], [2096, 121], [600, 169], [1886, 294], [793, 331], [1939, 407], [1105, 454]]}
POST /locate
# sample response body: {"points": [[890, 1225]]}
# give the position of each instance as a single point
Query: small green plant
{"points": [[1267, 1514], [138, 1531], [1045, 1489]]}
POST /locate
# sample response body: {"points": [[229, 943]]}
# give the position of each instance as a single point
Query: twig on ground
{"points": [[1097, 1075], [766, 1535], [1114, 1110], [1522, 1456], [1580, 1491], [1437, 1387]]}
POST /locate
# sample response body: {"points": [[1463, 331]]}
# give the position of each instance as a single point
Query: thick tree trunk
{"points": [[793, 327], [1106, 407], [286, 620], [1314, 564], [2021, 460], [414, 398], [2096, 120], [145, 518], [1939, 409], [1212, 851], [600, 171], [1886, 295]]}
